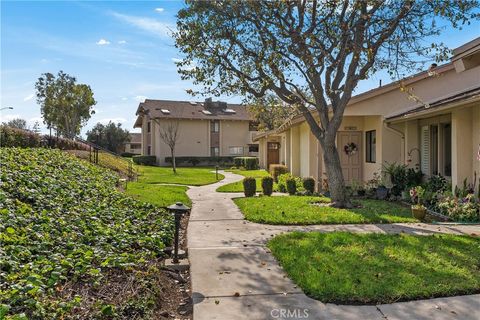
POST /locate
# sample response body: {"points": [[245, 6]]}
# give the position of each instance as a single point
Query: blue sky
{"points": [[123, 50]]}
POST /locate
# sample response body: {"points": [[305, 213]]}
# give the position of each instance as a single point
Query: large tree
{"points": [[270, 112], [18, 123], [311, 54], [110, 136], [65, 105]]}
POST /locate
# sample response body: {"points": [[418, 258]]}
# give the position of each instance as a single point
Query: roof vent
{"points": [[208, 113], [165, 111], [193, 103], [229, 111]]}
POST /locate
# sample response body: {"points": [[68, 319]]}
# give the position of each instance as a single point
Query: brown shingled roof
{"points": [[192, 110]]}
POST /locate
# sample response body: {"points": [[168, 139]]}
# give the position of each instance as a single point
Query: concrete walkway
{"points": [[234, 276]]}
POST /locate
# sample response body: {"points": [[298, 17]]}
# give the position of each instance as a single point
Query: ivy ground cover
{"points": [[350, 268], [66, 233], [305, 210]]}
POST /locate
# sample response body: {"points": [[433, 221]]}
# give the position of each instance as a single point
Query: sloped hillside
{"points": [[71, 245]]}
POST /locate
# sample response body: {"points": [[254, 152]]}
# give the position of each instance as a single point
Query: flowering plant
{"points": [[416, 195], [461, 208]]}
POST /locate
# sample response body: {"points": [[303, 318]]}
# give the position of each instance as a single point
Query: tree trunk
{"points": [[174, 165], [336, 184]]}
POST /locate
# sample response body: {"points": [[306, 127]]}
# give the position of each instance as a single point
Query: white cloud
{"points": [[140, 98], [122, 42], [147, 24], [29, 97], [8, 117], [159, 9], [176, 60], [103, 42], [124, 98], [114, 120]]}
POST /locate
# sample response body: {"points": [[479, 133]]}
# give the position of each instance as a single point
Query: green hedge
{"points": [[249, 163], [224, 161], [13, 137], [145, 160]]}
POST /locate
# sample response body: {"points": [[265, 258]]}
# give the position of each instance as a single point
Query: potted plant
{"points": [[418, 209], [382, 191]]}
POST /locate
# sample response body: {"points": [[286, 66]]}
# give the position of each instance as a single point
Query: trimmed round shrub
{"points": [[249, 186], [309, 184], [277, 170], [291, 185], [267, 185]]}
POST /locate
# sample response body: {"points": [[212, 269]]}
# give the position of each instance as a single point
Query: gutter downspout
{"points": [[402, 136]]}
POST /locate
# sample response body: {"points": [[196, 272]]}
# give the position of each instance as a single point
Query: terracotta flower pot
{"points": [[419, 213]]}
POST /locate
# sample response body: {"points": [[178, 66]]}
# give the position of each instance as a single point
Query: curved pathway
{"points": [[234, 276]]}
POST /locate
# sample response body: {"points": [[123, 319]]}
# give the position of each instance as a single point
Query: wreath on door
{"points": [[350, 148]]}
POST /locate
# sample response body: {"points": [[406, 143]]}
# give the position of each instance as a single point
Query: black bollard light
{"points": [[216, 172], [178, 209]]}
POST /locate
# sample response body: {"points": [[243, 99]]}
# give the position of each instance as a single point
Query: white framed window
{"points": [[214, 151], [236, 150]]}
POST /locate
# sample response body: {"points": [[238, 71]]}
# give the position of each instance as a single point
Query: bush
{"points": [[238, 162], [438, 184], [277, 170], [282, 182], [413, 178], [13, 137], [398, 176], [309, 184], [128, 154], [291, 185], [207, 161], [465, 209], [145, 160], [249, 186], [250, 163], [267, 185]]}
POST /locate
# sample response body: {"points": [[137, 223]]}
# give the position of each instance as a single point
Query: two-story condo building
{"points": [[205, 129]]}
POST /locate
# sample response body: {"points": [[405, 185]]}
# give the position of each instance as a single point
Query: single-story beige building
{"points": [[205, 129], [134, 146], [433, 123]]}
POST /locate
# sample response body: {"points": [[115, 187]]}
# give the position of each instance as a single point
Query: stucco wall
{"points": [[233, 134], [476, 140], [295, 150], [193, 140], [428, 89], [462, 145], [304, 150]]}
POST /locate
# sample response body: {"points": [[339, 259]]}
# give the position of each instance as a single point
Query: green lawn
{"points": [[371, 268], [159, 195], [186, 176], [238, 186], [303, 210]]}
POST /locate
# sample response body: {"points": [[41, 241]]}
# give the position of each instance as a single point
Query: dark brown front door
{"points": [[351, 161], [273, 153]]}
